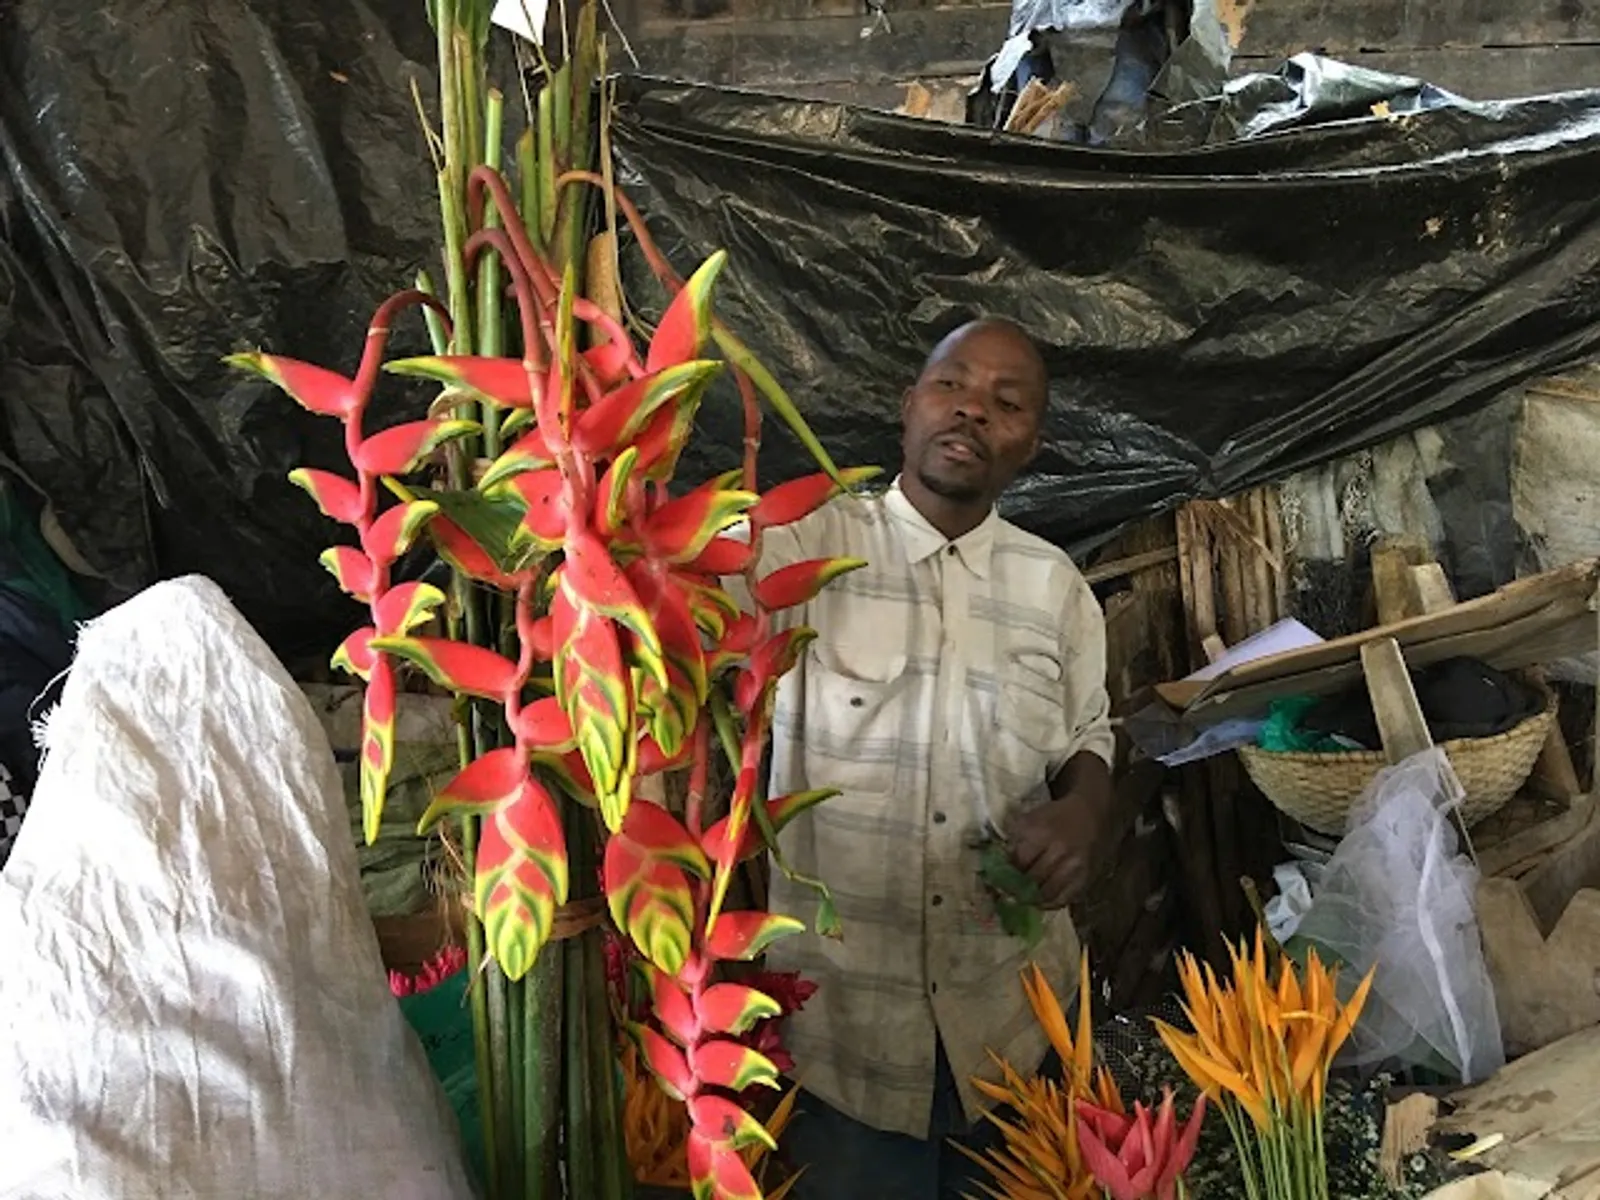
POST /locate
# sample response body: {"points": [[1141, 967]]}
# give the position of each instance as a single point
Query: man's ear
{"points": [[905, 404]]}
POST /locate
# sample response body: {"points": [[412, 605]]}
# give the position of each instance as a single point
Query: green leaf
{"points": [[828, 924], [740, 355], [1016, 896], [491, 519], [1021, 921]]}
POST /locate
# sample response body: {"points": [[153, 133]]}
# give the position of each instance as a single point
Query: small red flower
{"points": [[1138, 1158], [434, 972], [791, 991]]}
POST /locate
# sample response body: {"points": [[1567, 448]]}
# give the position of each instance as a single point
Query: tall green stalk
{"points": [[549, 1094], [582, 1173]]}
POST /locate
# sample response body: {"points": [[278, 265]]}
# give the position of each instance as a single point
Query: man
{"points": [[956, 692]]}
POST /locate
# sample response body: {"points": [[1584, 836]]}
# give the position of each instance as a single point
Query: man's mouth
{"points": [[961, 448]]}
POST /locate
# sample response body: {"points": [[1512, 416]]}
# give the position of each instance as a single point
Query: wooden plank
{"points": [[1406, 1126], [1554, 774], [1275, 543], [1544, 989], [1285, 27], [1232, 569], [1394, 701], [1130, 565], [1161, 591], [1520, 835], [1428, 589], [810, 50], [1527, 622], [1564, 873], [1559, 1079], [1392, 561], [1126, 626], [1197, 578], [1265, 608], [1531, 640], [1546, 1110]]}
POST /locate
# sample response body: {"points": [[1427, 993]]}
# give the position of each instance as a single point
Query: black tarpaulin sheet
{"points": [[202, 176], [1214, 317], [179, 181]]}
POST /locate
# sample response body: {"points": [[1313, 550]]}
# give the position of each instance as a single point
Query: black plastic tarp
{"points": [[1214, 317], [202, 176], [183, 179]]}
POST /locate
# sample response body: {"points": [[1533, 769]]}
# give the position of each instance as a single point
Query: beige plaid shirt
{"points": [[949, 683]]}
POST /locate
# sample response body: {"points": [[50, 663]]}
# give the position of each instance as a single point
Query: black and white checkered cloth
{"points": [[13, 804]]}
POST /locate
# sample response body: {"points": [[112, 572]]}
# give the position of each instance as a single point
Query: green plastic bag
{"points": [[1282, 733], [443, 1020]]}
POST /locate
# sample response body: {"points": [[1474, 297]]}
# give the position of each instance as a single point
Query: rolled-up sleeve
{"points": [[1083, 647]]}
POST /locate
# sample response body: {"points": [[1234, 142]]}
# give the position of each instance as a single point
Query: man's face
{"points": [[972, 419]]}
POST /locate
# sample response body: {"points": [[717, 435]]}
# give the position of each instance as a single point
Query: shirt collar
{"points": [[974, 548]]}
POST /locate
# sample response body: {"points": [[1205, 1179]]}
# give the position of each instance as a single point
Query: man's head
{"points": [[973, 417]]}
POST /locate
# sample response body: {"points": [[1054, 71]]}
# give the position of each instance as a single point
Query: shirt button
{"points": [[939, 818], [933, 988], [856, 701], [952, 552], [936, 901]]}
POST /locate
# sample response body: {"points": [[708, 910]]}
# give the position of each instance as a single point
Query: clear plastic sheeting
{"points": [[1311, 90], [1397, 896], [195, 1004]]}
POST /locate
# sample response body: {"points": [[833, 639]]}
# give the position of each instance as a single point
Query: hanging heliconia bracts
{"points": [[627, 655]]}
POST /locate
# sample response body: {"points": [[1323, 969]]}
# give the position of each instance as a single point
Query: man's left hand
{"points": [[1054, 844]]}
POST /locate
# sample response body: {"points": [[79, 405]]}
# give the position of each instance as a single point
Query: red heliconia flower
{"points": [[1137, 1157], [622, 649]]}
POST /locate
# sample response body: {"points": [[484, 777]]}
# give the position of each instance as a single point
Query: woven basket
{"points": [[1318, 790]]}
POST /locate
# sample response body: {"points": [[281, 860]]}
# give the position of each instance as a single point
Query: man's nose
{"points": [[974, 406]]}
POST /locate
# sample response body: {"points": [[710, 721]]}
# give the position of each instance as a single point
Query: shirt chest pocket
{"points": [[1031, 722], [855, 715]]}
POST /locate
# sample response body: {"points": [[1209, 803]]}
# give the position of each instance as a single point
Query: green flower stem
{"points": [[610, 1146], [516, 1053], [491, 316], [542, 1014], [1244, 1144], [582, 1141], [545, 169]]}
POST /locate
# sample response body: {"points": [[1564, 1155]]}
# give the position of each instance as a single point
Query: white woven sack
{"points": [[190, 987]]}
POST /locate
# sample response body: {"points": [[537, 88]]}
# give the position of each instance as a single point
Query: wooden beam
{"points": [[1394, 701], [1429, 589], [1547, 1110], [1392, 561], [1515, 840], [1197, 558], [1285, 27], [799, 48], [1131, 565], [1544, 988]]}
